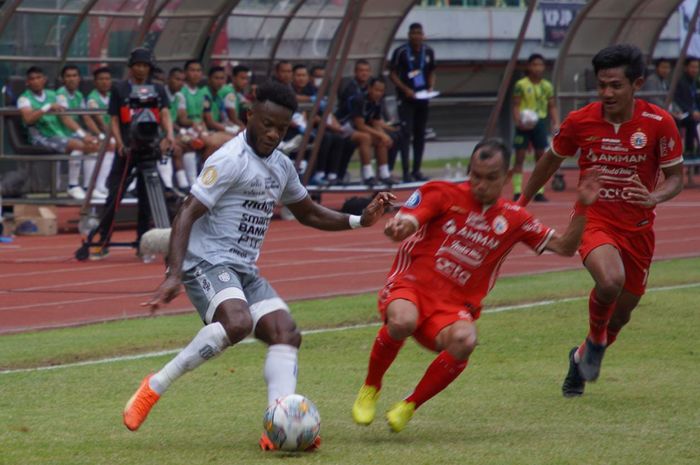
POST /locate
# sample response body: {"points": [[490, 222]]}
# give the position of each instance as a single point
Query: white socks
{"points": [[74, 169], [88, 168], [208, 343], [166, 172], [101, 183], [189, 162], [280, 371], [181, 179], [367, 171], [384, 171]]}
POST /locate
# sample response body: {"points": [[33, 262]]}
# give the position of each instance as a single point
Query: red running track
{"points": [[44, 287]]}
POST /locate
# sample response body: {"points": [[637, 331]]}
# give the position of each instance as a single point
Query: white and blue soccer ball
{"points": [[292, 423], [529, 118]]}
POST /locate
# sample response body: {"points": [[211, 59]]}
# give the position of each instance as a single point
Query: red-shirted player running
{"points": [[629, 142], [457, 236]]}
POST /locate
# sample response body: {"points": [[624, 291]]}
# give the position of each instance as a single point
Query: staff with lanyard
{"points": [[413, 70]]}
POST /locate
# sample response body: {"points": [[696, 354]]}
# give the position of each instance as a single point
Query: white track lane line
{"points": [[505, 308]]}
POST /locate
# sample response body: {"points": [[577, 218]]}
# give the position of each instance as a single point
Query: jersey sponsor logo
{"points": [[607, 140], [452, 270], [477, 221], [613, 193], [666, 145], [209, 176], [532, 225], [450, 227], [478, 238], [615, 158], [592, 157], [614, 148], [224, 276], [271, 183], [638, 140], [500, 224], [414, 200], [467, 254], [646, 114], [615, 172]]}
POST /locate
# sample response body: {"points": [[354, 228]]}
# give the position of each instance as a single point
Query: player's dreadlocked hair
{"points": [[491, 147], [621, 55], [278, 93]]}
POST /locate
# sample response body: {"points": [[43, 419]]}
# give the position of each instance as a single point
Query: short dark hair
{"points": [[535, 56], [299, 66], [376, 79], [280, 63], [277, 93], [413, 26], [191, 62], [216, 69], [659, 61], [689, 60], [69, 68], [315, 68], [101, 70], [490, 147], [361, 61], [175, 70], [240, 69], [34, 70], [621, 55]]}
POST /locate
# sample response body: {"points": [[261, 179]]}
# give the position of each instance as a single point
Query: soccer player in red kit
{"points": [[629, 142], [455, 238]]}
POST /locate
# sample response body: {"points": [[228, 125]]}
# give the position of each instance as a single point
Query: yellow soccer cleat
{"points": [[399, 415], [140, 404], [365, 406]]}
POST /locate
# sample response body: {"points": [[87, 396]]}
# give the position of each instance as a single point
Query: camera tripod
{"points": [[145, 169]]}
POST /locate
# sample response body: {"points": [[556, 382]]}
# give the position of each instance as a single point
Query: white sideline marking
{"points": [[505, 308]]}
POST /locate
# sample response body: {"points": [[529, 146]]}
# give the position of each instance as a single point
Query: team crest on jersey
{"points": [[209, 176], [224, 277], [500, 224], [413, 201], [638, 140]]}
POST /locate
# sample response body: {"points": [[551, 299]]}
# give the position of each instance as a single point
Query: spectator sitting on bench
{"points": [[98, 99], [366, 117], [46, 130], [353, 91]]}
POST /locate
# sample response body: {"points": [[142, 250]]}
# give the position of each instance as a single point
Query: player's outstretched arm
{"points": [[310, 213], [544, 169], [672, 185], [567, 243], [190, 211], [400, 227]]}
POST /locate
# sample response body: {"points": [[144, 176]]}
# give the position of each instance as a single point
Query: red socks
{"points": [[444, 369], [598, 318], [612, 336], [383, 353]]}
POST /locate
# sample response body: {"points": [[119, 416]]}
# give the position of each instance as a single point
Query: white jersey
{"points": [[240, 189]]}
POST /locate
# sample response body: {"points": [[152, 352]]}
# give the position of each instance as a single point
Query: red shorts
{"points": [[636, 250], [434, 314]]}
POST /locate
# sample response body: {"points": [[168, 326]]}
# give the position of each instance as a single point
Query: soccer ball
{"points": [[528, 119], [292, 423]]}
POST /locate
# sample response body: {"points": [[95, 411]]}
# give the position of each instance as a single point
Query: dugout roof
{"points": [[599, 24], [257, 33]]}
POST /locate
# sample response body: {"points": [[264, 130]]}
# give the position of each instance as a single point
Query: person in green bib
{"points": [[194, 96], [233, 105], [40, 111], [533, 109], [70, 97], [98, 99]]}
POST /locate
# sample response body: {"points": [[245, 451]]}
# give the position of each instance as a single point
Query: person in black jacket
{"points": [[686, 99]]}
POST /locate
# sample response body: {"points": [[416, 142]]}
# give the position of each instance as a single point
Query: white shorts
{"points": [[208, 285]]}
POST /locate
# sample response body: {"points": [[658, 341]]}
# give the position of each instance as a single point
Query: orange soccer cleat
{"points": [[140, 404], [267, 445]]}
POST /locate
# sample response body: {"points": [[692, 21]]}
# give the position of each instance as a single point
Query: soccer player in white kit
{"points": [[215, 243]]}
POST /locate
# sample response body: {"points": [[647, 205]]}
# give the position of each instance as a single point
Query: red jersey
{"points": [[640, 146], [459, 246]]}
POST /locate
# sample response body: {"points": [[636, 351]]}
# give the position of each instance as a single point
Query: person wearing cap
{"points": [[140, 65]]}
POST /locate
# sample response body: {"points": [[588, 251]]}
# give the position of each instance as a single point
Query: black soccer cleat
{"points": [[573, 383], [589, 367]]}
